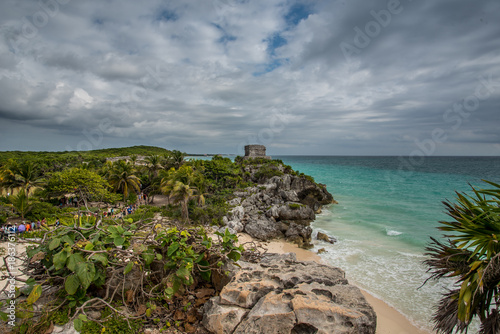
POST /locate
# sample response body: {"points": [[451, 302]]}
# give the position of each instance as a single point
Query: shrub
{"points": [[40, 210], [267, 171], [81, 261]]}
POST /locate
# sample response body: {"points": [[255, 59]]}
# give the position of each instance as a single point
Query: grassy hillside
{"points": [[68, 158]]}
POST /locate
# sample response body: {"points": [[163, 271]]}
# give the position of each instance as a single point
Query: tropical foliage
{"points": [[137, 263], [471, 256], [94, 266], [83, 183], [122, 178], [21, 203]]}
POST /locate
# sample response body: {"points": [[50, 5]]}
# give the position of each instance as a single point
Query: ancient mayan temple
{"points": [[255, 151]]}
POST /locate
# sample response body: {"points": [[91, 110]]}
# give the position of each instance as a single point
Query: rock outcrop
{"points": [[279, 207], [324, 237], [282, 295]]}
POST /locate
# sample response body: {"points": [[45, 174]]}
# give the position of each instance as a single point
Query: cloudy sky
{"points": [[210, 76]]}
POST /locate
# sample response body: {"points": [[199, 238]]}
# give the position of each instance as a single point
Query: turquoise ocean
{"points": [[388, 207]]}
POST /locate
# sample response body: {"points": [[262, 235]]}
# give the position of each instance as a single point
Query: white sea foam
{"points": [[393, 233]]}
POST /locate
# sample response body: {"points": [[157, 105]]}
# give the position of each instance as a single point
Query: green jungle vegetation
{"points": [[108, 271]]}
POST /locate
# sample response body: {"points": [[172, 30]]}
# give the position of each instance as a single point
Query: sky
{"points": [[310, 77]]}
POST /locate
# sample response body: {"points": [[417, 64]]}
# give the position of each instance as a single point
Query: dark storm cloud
{"points": [[302, 77]]}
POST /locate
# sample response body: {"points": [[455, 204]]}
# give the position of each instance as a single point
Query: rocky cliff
{"points": [[280, 206], [282, 295]]}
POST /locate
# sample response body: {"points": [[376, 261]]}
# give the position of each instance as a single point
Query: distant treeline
{"points": [[57, 160]]}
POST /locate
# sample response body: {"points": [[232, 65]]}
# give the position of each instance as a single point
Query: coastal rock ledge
{"points": [[279, 207], [283, 295]]}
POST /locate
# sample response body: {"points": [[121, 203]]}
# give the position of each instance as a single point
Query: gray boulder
{"points": [[295, 211], [235, 226], [299, 234], [263, 229], [324, 237], [237, 213]]}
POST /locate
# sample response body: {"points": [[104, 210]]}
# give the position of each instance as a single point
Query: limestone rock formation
{"points": [[324, 237], [282, 295], [277, 206]]}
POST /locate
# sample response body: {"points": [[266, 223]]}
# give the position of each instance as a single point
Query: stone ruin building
{"points": [[255, 151]]}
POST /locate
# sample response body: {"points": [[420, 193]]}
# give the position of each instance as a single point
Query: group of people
{"points": [[120, 212], [22, 227], [117, 212]]}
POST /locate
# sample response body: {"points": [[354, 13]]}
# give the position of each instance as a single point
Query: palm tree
{"points": [[179, 193], [133, 159], [174, 159], [21, 203], [7, 179], [122, 178], [27, 175], [153, 165], [471, 255], [183, 185]]}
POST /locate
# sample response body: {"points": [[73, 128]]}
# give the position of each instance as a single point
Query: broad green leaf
{"points": [[112, 230], [169, 292], [54, 243], [159, 256], [234, 255], [128, 268], [176, 285], [118, 241], [172, 249], [205, 273], [148, 257], [200, 257], [60, 259], [34, 295], [89, 246], [83, 317], [78, 323], [183, 273], [101, 258], [68, 239], [4, 316], [71, 284], [86, 273], [99, 278], [73, 260]]}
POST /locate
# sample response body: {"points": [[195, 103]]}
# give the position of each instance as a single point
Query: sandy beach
{"points": [[389, 320]]}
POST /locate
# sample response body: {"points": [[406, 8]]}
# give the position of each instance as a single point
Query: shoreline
{"points": [[389, 320]]}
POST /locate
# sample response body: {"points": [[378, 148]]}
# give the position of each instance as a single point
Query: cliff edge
{"points": [[282, 205]]}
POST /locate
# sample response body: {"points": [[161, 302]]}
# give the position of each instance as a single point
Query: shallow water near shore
{"points": [[388, 209]]}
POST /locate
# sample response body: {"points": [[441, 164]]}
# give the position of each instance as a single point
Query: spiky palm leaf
{"points": [[122, 178], [472, 256]]}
